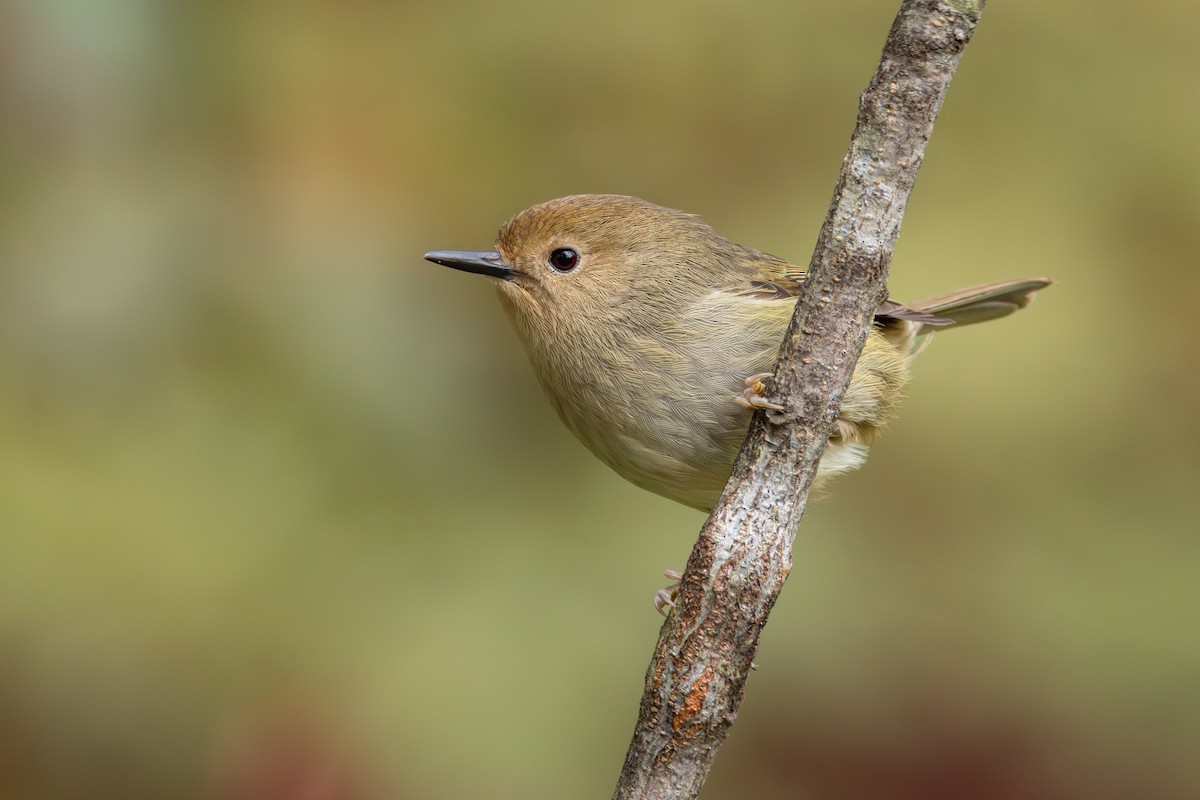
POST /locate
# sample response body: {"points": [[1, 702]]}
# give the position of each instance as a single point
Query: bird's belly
{"points": [[696, 479], [666, 469], [686, 457], [677, 431], [675, 448]]}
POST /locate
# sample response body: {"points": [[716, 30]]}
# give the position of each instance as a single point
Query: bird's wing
{"points": [[776, 279], [773, 278]]}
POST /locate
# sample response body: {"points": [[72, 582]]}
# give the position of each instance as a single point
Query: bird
{"points": [[652, 336]]}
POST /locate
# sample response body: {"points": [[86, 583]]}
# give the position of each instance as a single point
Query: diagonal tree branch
{"points": [[697, 677]]}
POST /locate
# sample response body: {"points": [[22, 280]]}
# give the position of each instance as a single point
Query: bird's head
{"points": [[589, 260]]}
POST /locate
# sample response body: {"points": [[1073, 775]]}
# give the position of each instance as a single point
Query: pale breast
{"points": [[670, 426], [656, 401]]}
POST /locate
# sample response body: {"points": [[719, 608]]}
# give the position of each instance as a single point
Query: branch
{"points": [[697, 677]]}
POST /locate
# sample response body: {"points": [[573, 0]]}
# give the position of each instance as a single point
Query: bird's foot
{"points": [[753, 397], [665, 598]]}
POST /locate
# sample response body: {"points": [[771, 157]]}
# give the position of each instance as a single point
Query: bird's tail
{"points": [[908, 325], [981, 303]]}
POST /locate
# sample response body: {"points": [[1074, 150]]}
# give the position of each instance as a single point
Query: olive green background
{"points": [[282, 508]]}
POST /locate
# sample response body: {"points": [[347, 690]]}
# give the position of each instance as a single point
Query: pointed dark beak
{"points": [[479, 263]]}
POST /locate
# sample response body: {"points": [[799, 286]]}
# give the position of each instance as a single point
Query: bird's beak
{"points": [[479, 263]]}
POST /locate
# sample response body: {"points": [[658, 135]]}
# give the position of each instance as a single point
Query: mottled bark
{"points": [[697, 677]]}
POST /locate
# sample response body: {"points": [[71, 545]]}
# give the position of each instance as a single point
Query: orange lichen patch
{"points": [[693, 701]]}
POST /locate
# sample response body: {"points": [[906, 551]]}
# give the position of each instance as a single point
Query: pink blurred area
{"points": [[288, 753]]}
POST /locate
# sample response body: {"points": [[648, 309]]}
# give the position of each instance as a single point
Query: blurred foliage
{"points": [[283, 509]]}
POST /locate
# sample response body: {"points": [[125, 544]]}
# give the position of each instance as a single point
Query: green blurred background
{"points": [[282, 507]]}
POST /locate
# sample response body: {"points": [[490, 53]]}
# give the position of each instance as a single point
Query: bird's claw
{"points": [[753, 398], [665, 598]]}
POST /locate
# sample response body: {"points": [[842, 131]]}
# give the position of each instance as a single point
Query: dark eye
{"points": [[564, 259]]}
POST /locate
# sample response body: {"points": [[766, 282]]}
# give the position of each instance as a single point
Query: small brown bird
{"points": [[651, 334]]}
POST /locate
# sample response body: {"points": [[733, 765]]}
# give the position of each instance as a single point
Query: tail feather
{"points": [[981, 303]]}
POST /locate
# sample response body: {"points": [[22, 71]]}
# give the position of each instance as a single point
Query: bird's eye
{"points": [[564, 259]]}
